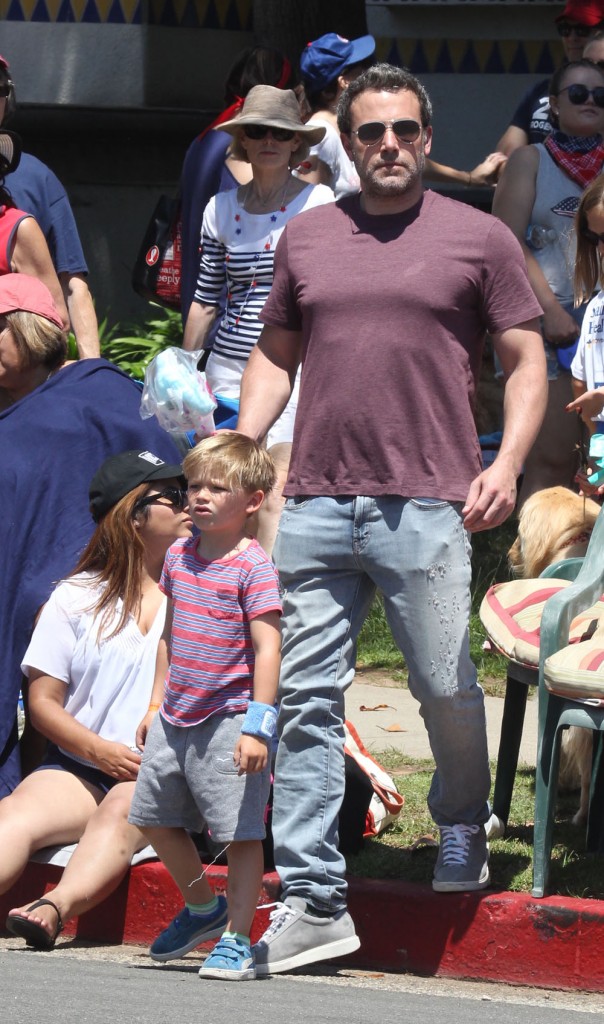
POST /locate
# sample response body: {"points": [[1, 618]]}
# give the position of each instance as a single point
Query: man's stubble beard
{"points": [[395, 186]]}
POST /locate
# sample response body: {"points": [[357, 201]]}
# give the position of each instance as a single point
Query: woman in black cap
{"points": [[90, 665]]}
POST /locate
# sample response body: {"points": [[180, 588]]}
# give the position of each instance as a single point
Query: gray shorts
{"points": [[187, 778]]}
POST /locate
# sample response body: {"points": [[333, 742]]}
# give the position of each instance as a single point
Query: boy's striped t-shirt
{"points": [[212, 657]]}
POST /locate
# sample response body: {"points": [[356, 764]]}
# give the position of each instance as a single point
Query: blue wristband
{"points": [[260, 720]]}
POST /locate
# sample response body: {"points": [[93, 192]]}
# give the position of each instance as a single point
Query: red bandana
{"points": [[581, 159]]}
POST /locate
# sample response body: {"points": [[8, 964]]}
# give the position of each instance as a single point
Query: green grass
{"points": [[407, 850], [376, 649]]}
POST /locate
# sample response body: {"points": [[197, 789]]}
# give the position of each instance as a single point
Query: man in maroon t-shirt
{"points": [[385, 298]]}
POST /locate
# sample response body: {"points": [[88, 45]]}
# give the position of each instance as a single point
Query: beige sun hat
{"points": [[275, 108]]}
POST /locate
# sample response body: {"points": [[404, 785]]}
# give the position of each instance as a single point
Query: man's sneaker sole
{"points": [[310, 956], [470, 886], [175, 954]]}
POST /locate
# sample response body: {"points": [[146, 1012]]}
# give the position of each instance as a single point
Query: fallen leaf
{"points": [[392, 728], [423, 841], [377, 707]]}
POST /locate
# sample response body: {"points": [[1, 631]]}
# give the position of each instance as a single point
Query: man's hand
{"points": [[250, 754], [491, 498]]}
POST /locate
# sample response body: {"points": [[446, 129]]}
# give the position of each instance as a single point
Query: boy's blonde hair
{"points": [[231, 459]]}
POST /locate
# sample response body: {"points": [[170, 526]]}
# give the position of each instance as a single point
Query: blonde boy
{"points": [[207, 752]]}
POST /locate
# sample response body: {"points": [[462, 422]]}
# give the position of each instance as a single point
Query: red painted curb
{"points": [[493, 936]]}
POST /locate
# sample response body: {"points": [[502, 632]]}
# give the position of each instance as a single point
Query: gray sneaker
{"points": [[295, 938], [463, 859]]}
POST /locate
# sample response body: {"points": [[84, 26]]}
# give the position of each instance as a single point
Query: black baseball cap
{"points": [[121, 473]]}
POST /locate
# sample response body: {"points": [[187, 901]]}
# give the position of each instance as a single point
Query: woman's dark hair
{"points": [[114, 555], [258, 65], [383, 78], [11, 103], [323, 98], [560, 74]]}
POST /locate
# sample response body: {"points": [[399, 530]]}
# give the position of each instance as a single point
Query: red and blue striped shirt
{"points": [[212, 655]]}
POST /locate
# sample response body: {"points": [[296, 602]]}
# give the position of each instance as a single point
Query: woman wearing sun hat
{"points": [[241, 228]]}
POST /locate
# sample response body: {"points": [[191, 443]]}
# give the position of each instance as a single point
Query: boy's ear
{"points": [[254, 501]]}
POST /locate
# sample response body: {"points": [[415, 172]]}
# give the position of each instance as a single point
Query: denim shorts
{"points": [[56, 760], [187, 779]]}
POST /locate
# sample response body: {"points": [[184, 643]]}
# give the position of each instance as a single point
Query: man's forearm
{"points": [[524, 404], [265, 391]]}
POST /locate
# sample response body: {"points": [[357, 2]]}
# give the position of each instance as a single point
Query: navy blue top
{"points": [[51, 444], [203, 175], [532, 113], [35, 189]]}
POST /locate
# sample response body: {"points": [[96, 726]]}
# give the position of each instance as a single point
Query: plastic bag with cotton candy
{"points": [[178, 394]]}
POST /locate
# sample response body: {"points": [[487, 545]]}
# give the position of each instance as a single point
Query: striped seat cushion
{"points": [[577, 671], [511, 615]]}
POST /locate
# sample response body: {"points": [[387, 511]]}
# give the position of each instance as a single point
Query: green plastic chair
{"points": [[557, 713], [519, 679]]}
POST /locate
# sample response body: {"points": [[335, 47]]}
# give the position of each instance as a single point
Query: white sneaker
{"points": [[295, 938]]}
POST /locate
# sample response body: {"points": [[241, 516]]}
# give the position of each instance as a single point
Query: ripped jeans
{"points": [[332, 555]]}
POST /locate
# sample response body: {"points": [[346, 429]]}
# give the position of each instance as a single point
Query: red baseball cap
{"points": [[22, 292], [584, 12]]}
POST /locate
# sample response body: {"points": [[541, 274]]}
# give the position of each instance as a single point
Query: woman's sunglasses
{"points": [[260, 131], [174, 496], [578, 94], [406, 130]]}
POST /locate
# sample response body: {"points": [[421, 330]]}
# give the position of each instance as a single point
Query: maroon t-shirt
{"points": [[393, 312]]}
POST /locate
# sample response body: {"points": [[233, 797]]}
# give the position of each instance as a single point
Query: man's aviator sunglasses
{"points": [[578, 94], [406, 130], [174, 496], [260, 131]]}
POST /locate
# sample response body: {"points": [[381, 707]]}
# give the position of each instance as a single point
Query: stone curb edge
{"points": [[492, 936]]}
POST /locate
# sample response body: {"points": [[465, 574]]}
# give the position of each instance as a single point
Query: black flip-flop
{"points": [[34, 934]]}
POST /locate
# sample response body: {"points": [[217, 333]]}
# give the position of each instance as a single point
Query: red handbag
{"points": [[157, 269]]}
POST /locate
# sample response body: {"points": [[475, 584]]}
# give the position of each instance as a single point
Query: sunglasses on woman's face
{"points": [[579, 94], [260, 131], [174, 496]]}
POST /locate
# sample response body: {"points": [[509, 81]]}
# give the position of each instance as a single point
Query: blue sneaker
{"points": [[189, 930], [229, 961]]}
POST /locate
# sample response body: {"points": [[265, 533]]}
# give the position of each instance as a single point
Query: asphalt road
{"points": [[118, 985]]}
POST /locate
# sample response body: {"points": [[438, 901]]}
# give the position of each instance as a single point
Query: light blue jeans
{"points": [[332, 555]]}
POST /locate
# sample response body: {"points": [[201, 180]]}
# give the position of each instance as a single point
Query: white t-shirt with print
{"points": [[108, 683], [588, 362]]}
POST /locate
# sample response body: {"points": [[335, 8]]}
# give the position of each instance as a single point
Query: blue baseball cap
{"points": [[326, 58]]}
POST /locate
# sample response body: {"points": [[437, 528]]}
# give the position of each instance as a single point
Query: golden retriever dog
{"points": [[556, 524]]}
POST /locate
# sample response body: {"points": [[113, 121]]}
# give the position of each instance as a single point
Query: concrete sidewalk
{"points": [[394, 706], [495, 936]]}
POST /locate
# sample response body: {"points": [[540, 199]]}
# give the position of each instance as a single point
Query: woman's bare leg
{"points": [[552, 461], [269, 513], [98, 864], [49, 807]]}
